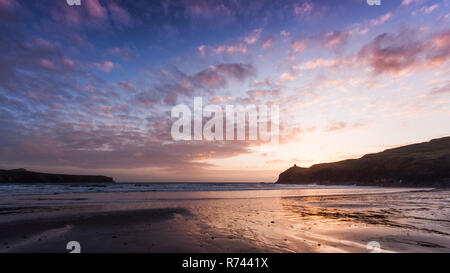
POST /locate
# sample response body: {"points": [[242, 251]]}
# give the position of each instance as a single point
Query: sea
{"points": [[17, 189]]}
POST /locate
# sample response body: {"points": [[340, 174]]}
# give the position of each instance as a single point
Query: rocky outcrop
{"points": [[417, 165]]}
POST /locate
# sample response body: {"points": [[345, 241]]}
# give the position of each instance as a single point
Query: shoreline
{"points": [[402, 221]]}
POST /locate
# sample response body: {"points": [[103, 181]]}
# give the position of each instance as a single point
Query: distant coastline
{"points": [[419, 165], [27, 177]]}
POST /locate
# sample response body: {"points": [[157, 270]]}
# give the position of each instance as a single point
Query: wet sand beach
{"points": [[310, 220]]}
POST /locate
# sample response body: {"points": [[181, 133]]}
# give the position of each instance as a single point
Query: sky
{"points": [[89, 89]]}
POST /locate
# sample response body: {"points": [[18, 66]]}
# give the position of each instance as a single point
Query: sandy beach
{"points": [[317, 220]]}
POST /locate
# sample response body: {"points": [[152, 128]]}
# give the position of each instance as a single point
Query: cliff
{"points": [[417, 165], [24, 176]]}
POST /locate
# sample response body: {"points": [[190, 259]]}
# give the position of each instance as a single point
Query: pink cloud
{"points": [[202, 50], [211, 78], [288, 76], [45, 63], [304, 9], [309, 9], [216, 76], [439, 48], [126, 85], [221, 99], [322, 63], [233, 48], [69, 62], [268, 43], [299, 46], [387, 53], [381, 20], [332, 40], [335, 38], [430, 9], [406, 51], [263, 92], [341, 125], [95, 9], [441, 89], [117, 108], [409, 2], [106, 66], [254, 37], [406, 2]]}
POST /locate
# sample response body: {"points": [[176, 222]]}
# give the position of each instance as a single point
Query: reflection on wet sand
{"points": [[413, 221], [319, 220]]}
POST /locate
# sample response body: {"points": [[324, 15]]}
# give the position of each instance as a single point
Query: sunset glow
{"points": [[89, 89]]}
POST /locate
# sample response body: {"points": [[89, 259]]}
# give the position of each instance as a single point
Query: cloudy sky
{"points": [[89, 89]]}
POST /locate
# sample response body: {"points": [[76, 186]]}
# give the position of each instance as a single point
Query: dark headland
{"points": [[24, 176], [418, 165]]}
